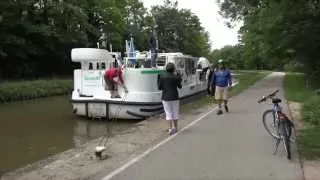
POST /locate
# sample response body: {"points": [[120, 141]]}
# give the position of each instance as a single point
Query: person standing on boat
{"points": [[221, 80], [153, 49], [169, 82], [113, 77]]}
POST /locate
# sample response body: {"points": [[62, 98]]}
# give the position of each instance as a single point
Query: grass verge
{"points": [[308, 136], [245, 79], [17, 91]]}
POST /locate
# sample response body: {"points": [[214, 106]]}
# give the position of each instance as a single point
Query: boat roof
{"points": [[204, 62], [177, 54], [92, 54], [144, 54]]}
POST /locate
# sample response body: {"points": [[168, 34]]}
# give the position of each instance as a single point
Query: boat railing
{"points": [[143, 60]]}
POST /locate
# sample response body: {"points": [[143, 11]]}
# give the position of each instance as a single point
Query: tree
{"points": [[139, 23], [180, 30], [233, 55], [277, 33], [36, 36]]}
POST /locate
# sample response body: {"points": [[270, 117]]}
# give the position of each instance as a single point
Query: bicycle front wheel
{"points": [[270, 124]]}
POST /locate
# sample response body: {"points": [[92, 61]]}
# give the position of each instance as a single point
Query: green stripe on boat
{"points": [[151, 71]]}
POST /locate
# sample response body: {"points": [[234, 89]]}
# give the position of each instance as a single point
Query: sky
{"points": [[207, 11]]}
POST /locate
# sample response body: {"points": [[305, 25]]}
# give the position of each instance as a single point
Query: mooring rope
{"points": [[111, 122]]}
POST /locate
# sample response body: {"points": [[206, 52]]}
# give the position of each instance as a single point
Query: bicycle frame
{"points": [[276, 112]]}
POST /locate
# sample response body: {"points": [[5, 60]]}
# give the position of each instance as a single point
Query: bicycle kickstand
{"points": [[277, 145]]}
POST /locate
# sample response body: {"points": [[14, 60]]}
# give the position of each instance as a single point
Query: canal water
{"points": [[33, 130]]}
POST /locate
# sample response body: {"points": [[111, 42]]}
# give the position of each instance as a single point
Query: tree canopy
{"points": [[278, 34], [233, 55], [180, 30], [36, 36]]}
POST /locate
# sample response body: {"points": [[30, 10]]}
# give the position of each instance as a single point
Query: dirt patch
{"points": [[295, 110], [311, 168]]}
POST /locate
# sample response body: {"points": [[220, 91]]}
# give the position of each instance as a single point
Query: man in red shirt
{"points": [[113, 77]]}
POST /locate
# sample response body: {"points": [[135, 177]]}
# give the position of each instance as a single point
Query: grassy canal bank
{"points": [[25, 90], [309, 132]]}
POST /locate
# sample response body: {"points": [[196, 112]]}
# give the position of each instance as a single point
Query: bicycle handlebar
{"points": [[268, 96]]}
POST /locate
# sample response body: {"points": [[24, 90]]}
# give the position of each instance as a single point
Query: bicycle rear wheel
{"points": [[269, 123], [285, 132]]}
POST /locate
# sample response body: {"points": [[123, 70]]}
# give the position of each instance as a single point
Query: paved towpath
{"points": [[233, 146]]}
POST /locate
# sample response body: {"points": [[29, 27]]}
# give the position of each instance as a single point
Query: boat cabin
{"points": [[95, 59]]}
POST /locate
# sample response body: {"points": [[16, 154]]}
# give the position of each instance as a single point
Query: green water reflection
{"points": [[34, 130]]}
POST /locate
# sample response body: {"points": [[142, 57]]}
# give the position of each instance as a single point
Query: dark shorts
{"points": [[110, 85]]}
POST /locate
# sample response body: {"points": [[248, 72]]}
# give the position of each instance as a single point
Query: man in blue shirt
{"points": [[221, 79]]}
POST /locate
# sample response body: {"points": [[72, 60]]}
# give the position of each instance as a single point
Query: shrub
{"points": [[16, 91]]}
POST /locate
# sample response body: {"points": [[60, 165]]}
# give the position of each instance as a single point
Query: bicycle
{"points": [[281, 125]]}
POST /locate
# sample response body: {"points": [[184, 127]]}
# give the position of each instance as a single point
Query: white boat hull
{"points": [[109, 109], [117, 109]]}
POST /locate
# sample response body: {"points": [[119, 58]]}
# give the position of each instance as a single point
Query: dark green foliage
{"points": [[16, 91], [311, 111], [278, 34], [180, 30], [36, 36], [233, 55]]}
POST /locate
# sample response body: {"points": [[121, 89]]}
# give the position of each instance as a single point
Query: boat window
{"points": [[147, 63], [103, 65], [90, 66], [193, 68], [143, 63], [190, 66], [84, 65], [180, 63], [98, 66], [187, 66], [161, 61]]}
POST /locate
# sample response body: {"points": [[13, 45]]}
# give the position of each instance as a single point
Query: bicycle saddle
{"points": [[276, 100]]}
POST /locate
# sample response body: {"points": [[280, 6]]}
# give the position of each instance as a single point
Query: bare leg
{"points": [[220, 103], [226, 105], [220, 106], [175, 124], [116, 91], [112, 93], [117, 94], [169, 124]]}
